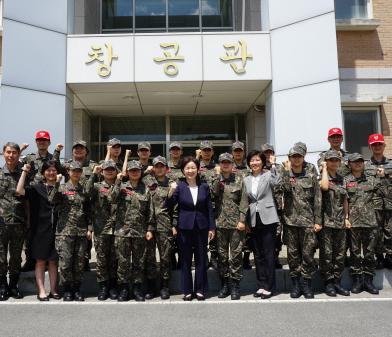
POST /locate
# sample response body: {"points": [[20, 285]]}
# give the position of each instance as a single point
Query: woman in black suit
{"points": [[196, 225]]}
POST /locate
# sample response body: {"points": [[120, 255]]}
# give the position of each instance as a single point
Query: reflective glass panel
{"points": [[117, 14]]}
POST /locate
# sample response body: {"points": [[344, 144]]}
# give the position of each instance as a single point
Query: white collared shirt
{"points": [[194, 192], [255, 184]]}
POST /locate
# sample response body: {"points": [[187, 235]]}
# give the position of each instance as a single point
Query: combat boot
{"points": [[340, 290], [103, 292], [78, 296], [357, 286], [295, 291], [245, 262], [330, 288], [68, 295], [123, 295], [165, 292], [13, 289], [225, 290], [113, 293], [369, 286], [3, 289], [138, 292], [380, 261], [307, 288], [235, 290], [150, 293]]}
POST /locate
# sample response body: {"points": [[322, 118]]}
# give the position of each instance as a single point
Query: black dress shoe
{"points": [[15, 293], [55, 296], [68, 296], [43, 299], [188, 297], [256, 294], [200, 297], [265, 296]]}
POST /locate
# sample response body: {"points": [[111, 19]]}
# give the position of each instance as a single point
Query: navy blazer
{"points": [[190, 214]]}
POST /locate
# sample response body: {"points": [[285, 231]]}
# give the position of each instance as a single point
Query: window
{"points": [[351, 9], [359, 123], [217, 13], [184, 14], [117, 14], [150, 14]]}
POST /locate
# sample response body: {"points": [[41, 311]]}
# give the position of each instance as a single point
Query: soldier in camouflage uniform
{"points": [[104, 220], [302, 216], [163, 219], [335, 223], [72, 230], [12, 223], [380, 166], [113, 153], [231, 206], [134, 225], [363, 193], [208, 174]]}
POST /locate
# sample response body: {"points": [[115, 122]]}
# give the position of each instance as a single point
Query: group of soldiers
{"points": [[343, 204]]}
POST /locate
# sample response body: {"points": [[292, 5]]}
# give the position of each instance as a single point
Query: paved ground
{"points": [[359, 315]]}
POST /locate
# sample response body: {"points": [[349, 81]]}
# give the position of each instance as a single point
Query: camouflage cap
{"points": [[267, 147], [332, 154], [206, 144], [144, 145], [225, 157], [75, 165], [158, 160], [134, 165], [80, 142], [297, 150], [114, 142], [108, 164], [302, 145], [238, 145], [355, 157], [175, 144]]}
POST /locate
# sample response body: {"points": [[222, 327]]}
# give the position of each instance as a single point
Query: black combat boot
{"points": [[214, 261], [113, 293], [150, 287], [78, 296], [138, 292], [307, 288], [245, 261], [380, 261], [123, 295], [357, 286], [165, 292], [225, 290], [235, 290], [330, 288], [369, 286], [3, 289], [388, 261], [103, 291], [340, 290], [13, 289], [68, 295], [295, 288], [29, 265]]}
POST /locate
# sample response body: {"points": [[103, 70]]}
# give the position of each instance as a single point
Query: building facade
{"points": [[162, 70]]}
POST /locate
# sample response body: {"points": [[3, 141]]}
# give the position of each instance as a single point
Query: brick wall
{"points": [[386, 125]]}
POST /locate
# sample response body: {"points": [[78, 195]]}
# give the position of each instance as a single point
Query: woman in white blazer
{"points": [[262, 220]]}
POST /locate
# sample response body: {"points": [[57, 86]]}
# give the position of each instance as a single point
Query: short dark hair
{"points": [[188, 160], [48, 164], [11, 145], [258, 153]]}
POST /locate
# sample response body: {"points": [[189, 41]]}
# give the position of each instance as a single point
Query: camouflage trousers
{"points": [[106, 257], [127, 250], [301, 245], [162, 240], [384, 232], [11, 242], [363, 240], [332, 253], [213, 247], [230, 244], [150, 264], [71, 250]]}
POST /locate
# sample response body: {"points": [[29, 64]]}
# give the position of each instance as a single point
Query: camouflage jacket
{"points": [[103, 209], [135, 211], [241, 169], [12, 207], [301, 198], [70, 205], [344, 169], [148, 179], [363, 193], [88, 167], [162, 214], [174, 172], [333, 203], [371, 167], [231, 201], [36, 162]]}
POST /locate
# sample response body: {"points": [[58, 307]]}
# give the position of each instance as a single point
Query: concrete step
{"points": [[382, 280]]}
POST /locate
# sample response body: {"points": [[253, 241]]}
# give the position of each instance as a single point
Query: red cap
{"points": [[376, 138], [335, 131], [42, 135]]}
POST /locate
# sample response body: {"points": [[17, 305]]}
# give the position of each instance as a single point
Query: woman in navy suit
{"points": [[196, 225]]}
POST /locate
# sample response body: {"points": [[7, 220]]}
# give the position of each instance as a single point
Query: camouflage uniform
{"points": [[302, 209], [383, 206], [333, 234], [174, 173], [363, 193], [344, 169], [231, 206], [12, 224], [36, 162], [134, 219], [70, 205]]}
